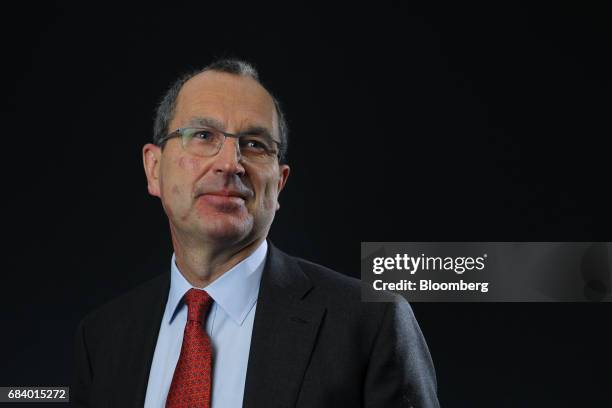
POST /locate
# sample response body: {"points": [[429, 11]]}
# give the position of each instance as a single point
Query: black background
{"points": [[424, 122]]}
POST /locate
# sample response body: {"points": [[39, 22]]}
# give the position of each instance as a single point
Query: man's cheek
{"points": [[270, 198], [169, 212], [189, 164], [176, 202]]}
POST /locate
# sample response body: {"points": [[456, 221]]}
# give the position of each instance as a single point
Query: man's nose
{"points": [[228, 159]]}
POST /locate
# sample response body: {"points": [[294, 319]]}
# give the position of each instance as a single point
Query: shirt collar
{"points": [[235, 291]]}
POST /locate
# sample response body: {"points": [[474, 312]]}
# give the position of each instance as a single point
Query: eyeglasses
{"points": [[207, 141]]}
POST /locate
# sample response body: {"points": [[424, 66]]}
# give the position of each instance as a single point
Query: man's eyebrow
{"points": [[257, 130], [214, 123], [206, 121]]}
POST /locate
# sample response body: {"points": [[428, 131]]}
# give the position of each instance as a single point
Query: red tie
{"points": [[191, 384]]}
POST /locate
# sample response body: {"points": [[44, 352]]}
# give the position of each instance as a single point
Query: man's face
{"points": [[221, 198]]}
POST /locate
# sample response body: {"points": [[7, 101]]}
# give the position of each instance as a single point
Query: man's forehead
{"points": [[221, 84], [214, 93]]}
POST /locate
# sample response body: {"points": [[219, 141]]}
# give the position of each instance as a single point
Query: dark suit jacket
{"points": [[314, 344]]}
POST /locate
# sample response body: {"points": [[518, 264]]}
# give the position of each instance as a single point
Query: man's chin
{"points": [[226, 230], [214, 204]]}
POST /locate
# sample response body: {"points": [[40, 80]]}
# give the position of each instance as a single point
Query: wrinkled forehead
{"points": [[235, 101]]}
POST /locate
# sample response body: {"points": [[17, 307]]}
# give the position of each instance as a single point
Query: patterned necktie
{"points": [[191, 384]]}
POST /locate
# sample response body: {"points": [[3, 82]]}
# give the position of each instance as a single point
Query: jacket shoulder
{"points": [[340, 285], [130, 303], [342, 296], [328, 279]]}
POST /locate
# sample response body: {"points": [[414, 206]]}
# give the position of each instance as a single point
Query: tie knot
{"points": [[198, 302]]}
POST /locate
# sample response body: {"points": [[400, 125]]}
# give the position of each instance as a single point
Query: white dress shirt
{"points": [[229, 325]]}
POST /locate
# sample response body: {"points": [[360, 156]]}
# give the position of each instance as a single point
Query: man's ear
{"points": [[151, 157], [284, 171]]}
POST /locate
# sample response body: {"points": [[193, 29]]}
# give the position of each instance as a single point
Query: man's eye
{"points": [[203, 135], [253, 144]]}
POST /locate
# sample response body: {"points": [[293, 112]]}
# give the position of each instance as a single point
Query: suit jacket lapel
{"points": [[284, 334], [139, 343]]}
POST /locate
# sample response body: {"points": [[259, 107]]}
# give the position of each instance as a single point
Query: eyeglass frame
{"points": [[177, 133]]}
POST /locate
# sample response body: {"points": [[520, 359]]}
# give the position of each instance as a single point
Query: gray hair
{"points": [[166, 109]]}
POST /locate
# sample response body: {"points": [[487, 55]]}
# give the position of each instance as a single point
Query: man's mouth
{"points": [[224, 198], [221, 199], [227, 194]]}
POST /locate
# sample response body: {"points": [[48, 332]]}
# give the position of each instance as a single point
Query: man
{"points": [[235, 321]]}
